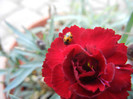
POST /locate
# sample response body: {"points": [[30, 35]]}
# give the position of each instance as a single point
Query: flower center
{"points": [[86, 68], [90, 66]]}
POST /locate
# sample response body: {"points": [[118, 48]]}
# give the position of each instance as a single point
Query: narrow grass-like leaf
{"points": [[13, 97], [127, 29], [28, 53], [28, 33], [17, 73], [32, 64], [83, 7], [26, 93], [3, 71], [1, 54], [66, 17], [22, 52], [21, 36], [37, 30], [19, 79], [55, 96], [67, 24], [51, 32], [15, 30]]}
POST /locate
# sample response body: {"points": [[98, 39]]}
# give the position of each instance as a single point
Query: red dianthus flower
{"points": [[92, 66]]}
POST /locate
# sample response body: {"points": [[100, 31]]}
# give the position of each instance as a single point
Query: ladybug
{"points": [[67, 38]]}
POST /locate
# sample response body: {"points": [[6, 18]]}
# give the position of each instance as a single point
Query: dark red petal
{"points": [[108, 45], [77, 49], [119, 56], [54, 55], [69, 53], [46, 73], [114, 95], [76, 32], [122, 80], [87, 74], [122, 48], [100, 38], [77, 89], [60, 84], [109, 73], [125, 67], [68, 68], [94, 86], [75, 96], [97, 54]]}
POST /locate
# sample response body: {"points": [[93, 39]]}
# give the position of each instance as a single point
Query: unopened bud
{"points": [[41, 44], [130, 52]]}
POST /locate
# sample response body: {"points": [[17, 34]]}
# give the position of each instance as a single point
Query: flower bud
{"points": [[130, 52], [41, 44]]}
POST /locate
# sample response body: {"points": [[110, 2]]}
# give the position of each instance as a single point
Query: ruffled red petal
{"points": [[122, 80], [54, 55], [97, 54], [68, 68], [100, 38], [47, 74], [77, 89], [60, 84], [119, 56], [75, 31], [114, 95], [109, 73]]}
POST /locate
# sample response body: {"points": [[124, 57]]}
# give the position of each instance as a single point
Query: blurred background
{"points": [[26, 12], [53, 16]]}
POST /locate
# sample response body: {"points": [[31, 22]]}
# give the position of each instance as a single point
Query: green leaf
{"points": [[19, 79], [51, 32], [3, 71], [22, 38], [66, 17], [83, 8], [32, 64], [16, 31], [28, 33], [55, 96], [127, 29], [13, 97], [26, 93], [38, 29], [3, 54], [26, 52], [17, 73]]}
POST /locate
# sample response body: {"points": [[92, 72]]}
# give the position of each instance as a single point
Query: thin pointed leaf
{"points": [[16, 31], [127, 29], [51, 32], [32, 64], [55, 96], [21, 52], [21, 36], [13, 97], [18, 72], [38, 29], [28, 33], [3, 71], [19, 79]]}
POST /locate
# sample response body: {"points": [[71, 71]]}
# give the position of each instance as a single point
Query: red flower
{"points": [[92, 66]]}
